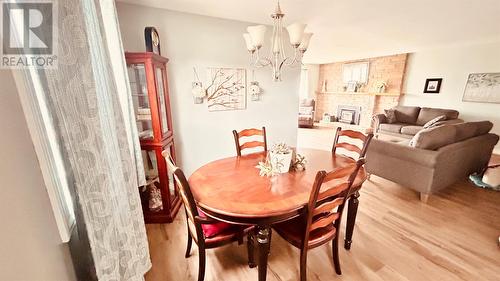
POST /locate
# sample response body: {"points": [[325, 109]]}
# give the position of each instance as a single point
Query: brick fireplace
{"points": [[369, 102]]}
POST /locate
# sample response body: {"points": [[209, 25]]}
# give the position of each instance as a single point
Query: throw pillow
{"points": [[434, 121], [305, 110], [391, 115]]}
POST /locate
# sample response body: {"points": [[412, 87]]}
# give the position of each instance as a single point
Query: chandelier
{"points": [[277, 58]]}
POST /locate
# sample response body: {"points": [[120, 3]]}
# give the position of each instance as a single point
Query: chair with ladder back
{"points": [[320, 221], [248, 133], [206, 232], [360, 149]]}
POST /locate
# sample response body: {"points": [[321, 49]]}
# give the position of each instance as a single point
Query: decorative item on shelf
{"points": [[482, 87], [143, 114], [380, 86], [326, 117], [299, 163], [226, 89], [433, 85], [280, 157], [324, 88], [197, 89], [152, 39], [277, 58], [352, 86], [154, 203], [255, 90]]}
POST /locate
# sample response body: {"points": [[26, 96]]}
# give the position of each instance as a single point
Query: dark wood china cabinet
{"points": [[148, 82]]}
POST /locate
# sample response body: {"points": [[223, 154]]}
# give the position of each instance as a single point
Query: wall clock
{"points": [[152, 40]]}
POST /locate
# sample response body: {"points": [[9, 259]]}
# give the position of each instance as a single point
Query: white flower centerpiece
{"points": [[280, 157]]}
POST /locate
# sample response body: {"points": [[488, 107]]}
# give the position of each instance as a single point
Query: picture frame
{"points": [[352, 86], [482, 88], [227, 88], [433, 85]]}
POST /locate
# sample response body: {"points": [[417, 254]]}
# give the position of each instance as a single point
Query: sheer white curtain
{"points": [[88, 104]]}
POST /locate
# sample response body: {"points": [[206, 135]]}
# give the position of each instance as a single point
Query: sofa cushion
{"points": [[411, 130], [426, 114], [394, 128], [434, 138], [390, 115], [407, 114], [471, 129]]}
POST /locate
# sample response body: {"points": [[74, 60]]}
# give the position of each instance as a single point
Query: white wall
{"points": [[30, 245], [309, 82], [198, 41], [453, 64]]}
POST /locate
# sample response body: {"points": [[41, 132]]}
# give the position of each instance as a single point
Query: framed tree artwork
{"points": [[226, 89], [483, 87], [433, 85]]}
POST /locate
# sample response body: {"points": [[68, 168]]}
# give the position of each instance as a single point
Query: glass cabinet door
{"points": [[140, 99], [161, 97], [152, 189]]}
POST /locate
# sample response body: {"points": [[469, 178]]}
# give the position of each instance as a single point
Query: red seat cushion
{"points": [[211, 230]]}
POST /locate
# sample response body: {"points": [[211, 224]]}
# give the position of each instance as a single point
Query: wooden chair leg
{"points": [[335, 254], [303, 265], [201, 263], [251, 250], [189, 243], [352, 210]]}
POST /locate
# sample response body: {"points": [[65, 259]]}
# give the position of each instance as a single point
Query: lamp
{"points": [[277, 58]]}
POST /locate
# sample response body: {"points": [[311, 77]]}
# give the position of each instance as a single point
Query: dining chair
{"points": [[354, 196], [352, 135], [320, 220], [250, 144], [206, 232]]}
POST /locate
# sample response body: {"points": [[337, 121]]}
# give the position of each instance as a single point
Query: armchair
{"points": [[306, 113]]}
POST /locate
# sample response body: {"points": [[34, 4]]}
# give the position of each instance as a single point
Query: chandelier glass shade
{"points": [[255, 36]]}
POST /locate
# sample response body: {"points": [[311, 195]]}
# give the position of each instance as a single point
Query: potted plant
{"points": [[280, 157]]}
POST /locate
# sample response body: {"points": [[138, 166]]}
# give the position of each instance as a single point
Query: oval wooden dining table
{"points": [[232, 190]]}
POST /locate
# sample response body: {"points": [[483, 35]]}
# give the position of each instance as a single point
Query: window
{"points": [[48, 150], [357, 72]]}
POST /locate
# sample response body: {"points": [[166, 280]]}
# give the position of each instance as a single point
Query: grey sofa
{"points": [[438, 157], [306, 113], [410, 120]]}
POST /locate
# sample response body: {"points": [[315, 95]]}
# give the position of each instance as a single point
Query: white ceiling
{"points": [[353, 29]]}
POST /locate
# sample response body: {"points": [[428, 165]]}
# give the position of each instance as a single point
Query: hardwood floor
{"points": [[452, 237]]}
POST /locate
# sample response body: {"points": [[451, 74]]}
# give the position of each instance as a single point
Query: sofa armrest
{"points": [[379, 119], [379, 148]]}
